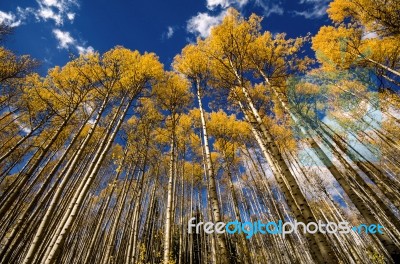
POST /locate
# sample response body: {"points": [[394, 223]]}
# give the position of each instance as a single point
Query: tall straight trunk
{"points": [[210, 244], [22, 140], [139, 240], [319, 246], [129, 258], [372, 195], [96, 232], [383, 66], [15, 118], [55, 218], [222, 248], [174, 184], [76, 203], [359, 203], [137, 201], [148, 231], [18, 206], [4, 171], [112, 233], [9, 112], [297, 202], [46, 219], [181, 224], [134, 215], [22, 217], [191, 255], [168, 210], [387, 190], [208, 241], [244, 243], [392, 81], [120, 205], [26, 175], [388, 187]]}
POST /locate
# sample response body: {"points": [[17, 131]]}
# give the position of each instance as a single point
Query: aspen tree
{"points": [[194, 65], [227, 46], [133, 72], [173, 96]]}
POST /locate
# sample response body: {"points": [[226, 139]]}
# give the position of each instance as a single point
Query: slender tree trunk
{"points": [[25, 176], [295, 198], [87, 179], [98, 224], [243, 241], [334, 171], [223, 256], [46, 219], [33, 203], [22, 140], [168, 213]]}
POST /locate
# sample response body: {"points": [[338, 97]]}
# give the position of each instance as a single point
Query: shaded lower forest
{"points": [[105, 159]]}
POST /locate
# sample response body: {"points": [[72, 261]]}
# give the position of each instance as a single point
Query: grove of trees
{"points": [[105, 159]]}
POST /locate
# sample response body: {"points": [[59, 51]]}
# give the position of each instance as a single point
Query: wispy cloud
{"points": [[64, 38], [66, 41], [270, 7], [316, 8], [47, 14], [84, 50], [212, 4], [9, 19], [56, 11], [202, 23], [170, 32]]}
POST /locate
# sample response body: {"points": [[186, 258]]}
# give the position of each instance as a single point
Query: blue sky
{"points": [[50, 30]]}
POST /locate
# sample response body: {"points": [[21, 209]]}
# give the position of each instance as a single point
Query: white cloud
{"points": [[57, 10], [23, 13], [47, 13], [82, 50], [274, 9], [243, 2], [170, 32], [317, 10], [369, 35], [270, 7], [313, 13], [71, 16], [54, 3], [202, 23], [211, 4], [66, 41], [64, 38], [9, 19]]}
